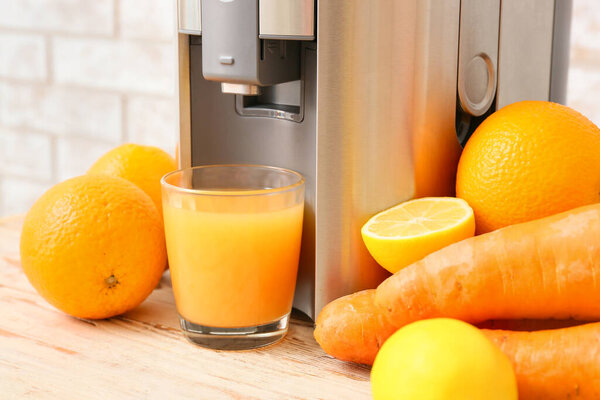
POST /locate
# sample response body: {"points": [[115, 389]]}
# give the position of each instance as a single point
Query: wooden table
{"points": [[142, 354]]}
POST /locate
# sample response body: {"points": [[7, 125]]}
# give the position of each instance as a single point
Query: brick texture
{"points": [[584, 74], [62, 111], [150, 121], [26, 155], [95, 17], [75, 155], [147, 19], [23, 56], [18, 194], [78, 77], [140, 66]]}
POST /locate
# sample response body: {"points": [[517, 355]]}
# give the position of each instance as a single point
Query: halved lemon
{"points": [[405, 233]]}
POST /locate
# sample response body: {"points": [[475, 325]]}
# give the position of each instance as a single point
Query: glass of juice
{"points": [[233, 241]]}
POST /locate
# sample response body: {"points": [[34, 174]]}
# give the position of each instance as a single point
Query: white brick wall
{"points": [[18, 194], [584, 73], [78, 77], [91, 17], [148, 118], [23, 56], [147, 19], [74, 155], [61, 110], [129, 66], [26, 155]]}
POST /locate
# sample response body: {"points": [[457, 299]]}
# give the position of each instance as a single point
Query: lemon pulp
{"points": [[405, 233]]}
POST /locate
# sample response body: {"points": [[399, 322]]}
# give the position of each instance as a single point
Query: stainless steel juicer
{"points": [[368, 99]]}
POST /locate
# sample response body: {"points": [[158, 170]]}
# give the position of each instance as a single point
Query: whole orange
{"points": [[93, 246], [142, 165], [529, 160]]}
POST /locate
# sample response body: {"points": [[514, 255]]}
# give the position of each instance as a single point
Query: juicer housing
{"points": [[369, 100]]}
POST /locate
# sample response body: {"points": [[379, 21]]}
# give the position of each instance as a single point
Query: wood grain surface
{"points": [[45, 354]]}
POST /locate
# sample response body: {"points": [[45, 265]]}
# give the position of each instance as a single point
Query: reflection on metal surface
{"points": [[183, 96], [525, 53], [386, 100], [287, 19], [434, 143], [189, 16], [560, 51]]}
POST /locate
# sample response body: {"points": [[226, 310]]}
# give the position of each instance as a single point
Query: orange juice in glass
{"points": [[233, 240]]}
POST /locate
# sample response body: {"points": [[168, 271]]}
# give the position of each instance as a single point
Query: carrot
{"points": [[554, 364], [351, 329], [540, 269], [528, 324], [549, 364], [547, 268]]}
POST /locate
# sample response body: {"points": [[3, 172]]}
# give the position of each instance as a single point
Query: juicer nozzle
{"points": [[247, 44], [240, 88]]}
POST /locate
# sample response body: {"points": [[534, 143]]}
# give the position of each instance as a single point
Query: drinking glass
{"points": [[233, 237]]}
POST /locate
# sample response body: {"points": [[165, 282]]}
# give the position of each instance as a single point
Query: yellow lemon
{"points": [[403, 234], [441, 359]]}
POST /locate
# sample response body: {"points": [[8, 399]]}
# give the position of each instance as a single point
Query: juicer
{"points": [[370, 100]]}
